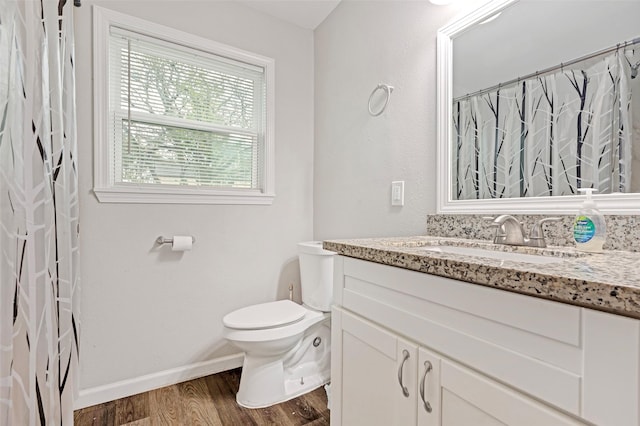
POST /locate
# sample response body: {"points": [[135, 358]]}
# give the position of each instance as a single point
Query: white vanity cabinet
{"points": [[495, 357]]}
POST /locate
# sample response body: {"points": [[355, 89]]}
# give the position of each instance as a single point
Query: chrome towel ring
{"points": [[387, 90]]}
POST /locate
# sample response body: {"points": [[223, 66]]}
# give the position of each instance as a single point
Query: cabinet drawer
{"points": [[552, 320]]}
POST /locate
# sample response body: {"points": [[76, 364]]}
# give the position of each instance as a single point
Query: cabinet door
{"points": [[468, 398], [429, 394], [378, 375]]}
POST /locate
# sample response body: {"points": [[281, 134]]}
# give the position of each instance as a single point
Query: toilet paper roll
{"points": [[182, 243]]}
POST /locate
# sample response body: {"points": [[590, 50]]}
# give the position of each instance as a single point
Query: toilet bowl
{"points": [[287, 346]]}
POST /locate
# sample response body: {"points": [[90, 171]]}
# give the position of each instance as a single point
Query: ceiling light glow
{"points": [[441, 2]]}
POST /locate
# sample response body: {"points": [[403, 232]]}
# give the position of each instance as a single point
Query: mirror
{"points": [[499, 58]]}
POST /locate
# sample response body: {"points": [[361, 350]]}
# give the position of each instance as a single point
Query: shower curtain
{"points": [[548, 135], [39, 286]]}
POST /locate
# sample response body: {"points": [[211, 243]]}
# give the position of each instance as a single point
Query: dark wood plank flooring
{"points": [[207, 401]]}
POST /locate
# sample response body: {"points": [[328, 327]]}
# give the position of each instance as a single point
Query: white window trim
{"points": [[104, 187]]}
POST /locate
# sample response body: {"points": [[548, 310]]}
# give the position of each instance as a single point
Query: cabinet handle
{"points": [[428, 367], [405, 354]]}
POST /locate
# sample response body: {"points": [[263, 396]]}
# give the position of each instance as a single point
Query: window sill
{"points": [[181, 196]]}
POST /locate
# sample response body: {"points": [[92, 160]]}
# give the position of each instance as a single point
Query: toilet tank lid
{"points": [[314, 247], [264, 315]]}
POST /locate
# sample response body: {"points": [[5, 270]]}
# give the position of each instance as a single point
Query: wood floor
{"points": [[206, 401]]}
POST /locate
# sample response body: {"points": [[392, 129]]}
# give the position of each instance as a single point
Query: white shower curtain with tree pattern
{"points": [[39, 286], [548, 135]]}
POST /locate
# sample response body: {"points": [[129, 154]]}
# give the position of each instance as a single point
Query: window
{"points": [[179, 119]]}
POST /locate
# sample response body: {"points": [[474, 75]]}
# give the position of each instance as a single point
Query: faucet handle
{"points": [[539, 223], [536, 235], [491, 219]]}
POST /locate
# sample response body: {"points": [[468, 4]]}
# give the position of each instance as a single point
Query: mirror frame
{"points": [[618, 203]]}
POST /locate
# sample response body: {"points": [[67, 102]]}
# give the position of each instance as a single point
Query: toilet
{"points": [[286, 345]]}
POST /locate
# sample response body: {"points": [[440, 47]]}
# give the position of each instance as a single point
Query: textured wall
{"points": [[146, 310], [357, 156]]}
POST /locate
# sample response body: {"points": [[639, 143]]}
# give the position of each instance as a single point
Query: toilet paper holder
{"points": [[162, 240]]}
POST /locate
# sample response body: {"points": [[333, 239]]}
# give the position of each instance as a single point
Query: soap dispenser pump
{"points": [[589, 227]]}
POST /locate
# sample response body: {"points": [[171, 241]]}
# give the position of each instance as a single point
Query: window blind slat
{"points": [[185, 123]]}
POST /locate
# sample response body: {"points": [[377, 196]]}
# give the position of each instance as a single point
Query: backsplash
{"points": [[623, 232]]}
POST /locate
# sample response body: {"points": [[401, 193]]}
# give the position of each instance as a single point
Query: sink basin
{"points": [[494, 254]]}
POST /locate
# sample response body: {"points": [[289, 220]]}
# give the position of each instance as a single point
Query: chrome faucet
{"points": [[511, 232], [508, 231]]}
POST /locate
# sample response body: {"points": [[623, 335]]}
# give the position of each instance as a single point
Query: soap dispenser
{"points": [[589, 227]]}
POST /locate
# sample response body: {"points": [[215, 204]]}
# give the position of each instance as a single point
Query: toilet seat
{"points": [[265, 315], [309, 319]]}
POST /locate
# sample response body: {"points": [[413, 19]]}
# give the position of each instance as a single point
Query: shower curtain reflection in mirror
{"points": [[548, 135]]}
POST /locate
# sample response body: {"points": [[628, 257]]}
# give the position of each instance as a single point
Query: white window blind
{"points": [[183, 117]]}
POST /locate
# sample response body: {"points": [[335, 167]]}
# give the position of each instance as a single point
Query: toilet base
{"points": [[266, 381]]}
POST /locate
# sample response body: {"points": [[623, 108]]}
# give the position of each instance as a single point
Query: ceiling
{"points": [[304, 13]]}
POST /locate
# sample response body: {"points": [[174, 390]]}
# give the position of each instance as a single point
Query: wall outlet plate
{"points": [[397, 193]]}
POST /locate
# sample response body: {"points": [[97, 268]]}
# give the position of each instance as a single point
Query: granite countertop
{"points": [[608, 281]]}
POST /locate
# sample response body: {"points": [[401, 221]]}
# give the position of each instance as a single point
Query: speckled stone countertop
{"points": [[609, 281]]}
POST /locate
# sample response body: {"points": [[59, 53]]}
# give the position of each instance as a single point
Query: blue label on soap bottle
{"points": [[583, 229]]}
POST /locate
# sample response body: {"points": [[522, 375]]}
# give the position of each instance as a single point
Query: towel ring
{"points": [[387, 89]]}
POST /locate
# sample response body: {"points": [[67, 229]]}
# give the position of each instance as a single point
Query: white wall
{"points": [[147, 310], [356, 156]]}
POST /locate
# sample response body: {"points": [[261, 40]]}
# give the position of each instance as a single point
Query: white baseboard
{"points": [[121, 389]]}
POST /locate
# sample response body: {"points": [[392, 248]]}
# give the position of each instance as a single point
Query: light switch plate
{"points": [[397, 193]]}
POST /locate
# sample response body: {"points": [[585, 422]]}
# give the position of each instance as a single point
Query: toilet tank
{"points": [[316, 275]]}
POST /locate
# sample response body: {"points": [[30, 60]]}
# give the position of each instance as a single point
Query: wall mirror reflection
{"points": [[537, 111]]}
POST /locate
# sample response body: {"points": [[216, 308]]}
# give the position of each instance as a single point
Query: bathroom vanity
{"points": [[424, 335]]}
